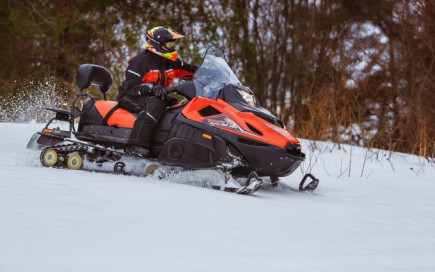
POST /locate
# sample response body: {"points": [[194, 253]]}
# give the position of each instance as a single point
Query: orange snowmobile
{"points": [[221, 126]]}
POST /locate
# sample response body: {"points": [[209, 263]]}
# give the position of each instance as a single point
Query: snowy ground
{"points": [[373, 211]]}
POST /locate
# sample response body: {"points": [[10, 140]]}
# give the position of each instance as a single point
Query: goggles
{"points": [[170, 45]]}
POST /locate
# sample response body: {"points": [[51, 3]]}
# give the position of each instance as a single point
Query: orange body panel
{"points": [[120, 118], [271, 134]]}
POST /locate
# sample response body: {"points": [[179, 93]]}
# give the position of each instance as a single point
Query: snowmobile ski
{"points": [[310, 187], [252, 184]]}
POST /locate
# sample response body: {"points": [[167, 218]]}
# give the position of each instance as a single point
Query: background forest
{"points": [[358, 72]]}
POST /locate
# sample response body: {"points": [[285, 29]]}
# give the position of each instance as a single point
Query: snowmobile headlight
{"points": [[249, 98]]}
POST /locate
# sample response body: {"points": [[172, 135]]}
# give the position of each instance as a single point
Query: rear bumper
{"points": [[40, 140]]}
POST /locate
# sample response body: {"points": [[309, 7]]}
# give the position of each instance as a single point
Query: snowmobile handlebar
{"points": [[172, 89]]}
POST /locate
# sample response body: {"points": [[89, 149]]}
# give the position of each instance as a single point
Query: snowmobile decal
{"points": [[222, 121]]}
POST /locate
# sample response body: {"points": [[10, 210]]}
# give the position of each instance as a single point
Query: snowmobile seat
{"points": [[103, 122], [105, 113], [114, 115], [91, 74]]}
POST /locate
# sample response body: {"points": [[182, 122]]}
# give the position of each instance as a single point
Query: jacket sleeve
{"points": [[132, 85], [182, 68]]}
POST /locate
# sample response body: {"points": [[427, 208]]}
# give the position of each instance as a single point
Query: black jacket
{"points": [[148, 69]]}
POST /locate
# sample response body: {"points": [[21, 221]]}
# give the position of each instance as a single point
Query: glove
{"points": [[145, 89], [158, 90]]}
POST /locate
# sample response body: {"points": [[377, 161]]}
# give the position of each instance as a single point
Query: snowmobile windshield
{"points": [[214, 74]]}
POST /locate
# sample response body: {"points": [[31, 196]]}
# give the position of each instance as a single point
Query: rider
{"points": [[144, 88]]}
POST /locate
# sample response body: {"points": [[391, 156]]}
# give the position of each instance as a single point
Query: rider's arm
{"points": [[132, 85], [182, 68]]}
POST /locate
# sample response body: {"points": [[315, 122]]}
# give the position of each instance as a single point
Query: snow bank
{"points": [[373, 211]]}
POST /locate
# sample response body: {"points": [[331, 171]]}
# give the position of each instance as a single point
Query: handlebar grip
{"points": [[172, 89]]}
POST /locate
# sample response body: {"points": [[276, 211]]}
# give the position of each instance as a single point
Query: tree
{"points": [[349, 71]]}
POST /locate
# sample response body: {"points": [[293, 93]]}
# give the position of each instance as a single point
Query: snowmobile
{"points": [[219, 125]]}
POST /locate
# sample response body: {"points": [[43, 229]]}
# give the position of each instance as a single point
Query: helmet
{"points": [[161, 41]]}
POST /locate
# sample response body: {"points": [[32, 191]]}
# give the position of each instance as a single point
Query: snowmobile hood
{"points": [[220, 114]]}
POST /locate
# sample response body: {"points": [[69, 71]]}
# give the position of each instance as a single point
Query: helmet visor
{"points": [[170, 45]]}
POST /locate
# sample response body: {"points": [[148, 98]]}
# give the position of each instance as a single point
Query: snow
{"points": [[373, 211]]}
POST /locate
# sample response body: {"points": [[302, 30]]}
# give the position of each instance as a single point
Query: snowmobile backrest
{"points": [[91, 74]]}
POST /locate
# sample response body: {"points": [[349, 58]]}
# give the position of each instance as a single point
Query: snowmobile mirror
{"points": [[91, 74]]}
